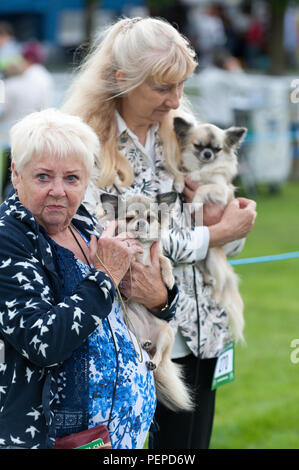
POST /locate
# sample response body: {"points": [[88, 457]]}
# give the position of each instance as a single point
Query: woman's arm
{"points": [[32, 321]]}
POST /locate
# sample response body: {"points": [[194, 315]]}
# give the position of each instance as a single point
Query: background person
{"points": [[10, 50], [128, 90], [28, 87], [67, 351], [220, 85]]}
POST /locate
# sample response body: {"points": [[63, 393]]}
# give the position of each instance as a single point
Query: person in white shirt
{"points": [[128, 90], [221, 85], [9, 48], [29, 88]]}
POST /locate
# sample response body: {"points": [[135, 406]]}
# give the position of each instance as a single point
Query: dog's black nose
{"points": [[140, 225], [207, 154]]}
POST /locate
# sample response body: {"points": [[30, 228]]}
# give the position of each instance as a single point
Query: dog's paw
{"points": [[150, 365], [179, 185], [208, 279], [147, 345], [216, 193]]}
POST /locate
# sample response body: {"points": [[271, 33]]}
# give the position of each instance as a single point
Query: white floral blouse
{"points": [[200, 321]]}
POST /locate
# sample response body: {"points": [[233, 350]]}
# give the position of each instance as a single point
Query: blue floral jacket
{"points": [[38, 331]]}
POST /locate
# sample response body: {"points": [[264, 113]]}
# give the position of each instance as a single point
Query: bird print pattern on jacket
{"points": [[37, 331]]}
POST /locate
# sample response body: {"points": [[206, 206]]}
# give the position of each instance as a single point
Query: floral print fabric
{"points": [[135, 397], [203, 324]]}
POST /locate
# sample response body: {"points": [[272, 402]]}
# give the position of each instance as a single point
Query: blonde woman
{"points": [[128, 90]]}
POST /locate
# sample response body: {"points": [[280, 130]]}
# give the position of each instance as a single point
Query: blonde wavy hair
{"points": [[142, 48]]}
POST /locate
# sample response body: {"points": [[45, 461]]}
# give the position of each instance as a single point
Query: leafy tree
{"points": [[276, 49]]}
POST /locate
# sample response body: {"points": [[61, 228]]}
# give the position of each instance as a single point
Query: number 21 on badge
{"points": [[224, 370]]}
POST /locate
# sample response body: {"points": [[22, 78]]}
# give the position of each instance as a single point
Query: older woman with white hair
{"points": [[128, 89], [68, 362]]}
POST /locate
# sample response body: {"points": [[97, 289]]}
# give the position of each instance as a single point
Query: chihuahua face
{"points": [[206, 144], [141, 219], [138, 214]]}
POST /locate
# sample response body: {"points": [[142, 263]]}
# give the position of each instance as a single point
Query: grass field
{"points": [[260, 409]]}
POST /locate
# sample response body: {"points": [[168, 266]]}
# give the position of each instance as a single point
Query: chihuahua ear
{"points": [[110, 203], [234, 136], [167, 198], [181, 128]]}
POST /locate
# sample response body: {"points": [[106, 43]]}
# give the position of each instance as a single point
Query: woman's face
{"points": [[149, 103], [52, 189]]}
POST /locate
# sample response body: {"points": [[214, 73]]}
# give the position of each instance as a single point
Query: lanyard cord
{"points": [[79, 245]]}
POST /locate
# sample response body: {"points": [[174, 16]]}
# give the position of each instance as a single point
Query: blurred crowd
{"points": [[241, 27], [230, 38], [234, 44], [243, 33], [28, 87], [22, 68]]}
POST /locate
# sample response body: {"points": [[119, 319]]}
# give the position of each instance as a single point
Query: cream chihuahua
{"points": [[156, 336], [208, 157]]}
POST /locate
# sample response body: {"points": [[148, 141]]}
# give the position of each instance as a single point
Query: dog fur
{"points": [[155, 335], [208, 157]]}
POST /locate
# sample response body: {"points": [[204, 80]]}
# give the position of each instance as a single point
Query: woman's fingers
{"points": [[93, 243], [189, 190], [155, 254], [109, 230], [212, 213], [189, 194], [244, 203], [134, 247], [115, 255], [93, 246], [190, 184]]}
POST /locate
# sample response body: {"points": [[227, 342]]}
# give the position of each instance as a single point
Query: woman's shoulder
{"points": [[85, 218], [17, 224]]}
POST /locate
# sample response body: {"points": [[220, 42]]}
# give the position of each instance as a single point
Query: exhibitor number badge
{"points": [[224, 370]]}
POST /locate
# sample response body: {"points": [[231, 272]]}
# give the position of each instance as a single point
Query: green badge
{"points": [[225, 366], [92, 445]]}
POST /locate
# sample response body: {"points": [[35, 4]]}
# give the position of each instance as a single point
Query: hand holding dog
{"points": [[189, 189], [237, 221], [147, 286], [211, 212], [116, 253]]}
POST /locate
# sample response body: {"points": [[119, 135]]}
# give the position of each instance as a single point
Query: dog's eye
{"points": [[217, 149], [128, 219], [198, 146]]}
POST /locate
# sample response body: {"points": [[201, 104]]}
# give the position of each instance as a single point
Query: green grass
{"points": [[260, 409]]}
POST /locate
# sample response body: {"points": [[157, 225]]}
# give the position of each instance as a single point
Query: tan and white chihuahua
{"points": [[208, 157], [141, 218]]}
